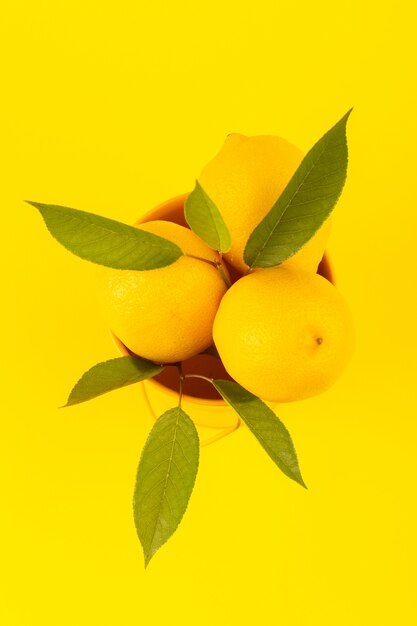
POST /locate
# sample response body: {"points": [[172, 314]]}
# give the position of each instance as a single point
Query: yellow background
{"points": [[113, 109]]}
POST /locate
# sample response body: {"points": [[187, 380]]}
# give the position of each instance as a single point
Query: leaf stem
{"points": [[181, 377], [209, 380], [225, 431], [199, 258], [224, 275], [216, 264]]}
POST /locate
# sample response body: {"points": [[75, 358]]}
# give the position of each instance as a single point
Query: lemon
{"points": [[166, 314], [284, 333], [244, 180]]}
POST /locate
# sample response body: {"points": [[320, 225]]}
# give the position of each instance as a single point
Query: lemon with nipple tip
{"points": [[284, 333]]}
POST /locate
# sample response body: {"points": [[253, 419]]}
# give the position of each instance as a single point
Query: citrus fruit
{"points": [[166, 314], [283, 333], [244, 180]]}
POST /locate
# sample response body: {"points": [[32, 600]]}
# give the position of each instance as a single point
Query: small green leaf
{"points": [[304, 204], [110, 375], [165, 479], [265, 425], [205, 220], [107, 242]]}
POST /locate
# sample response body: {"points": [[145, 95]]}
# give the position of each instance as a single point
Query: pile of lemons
{"points": [[284, 333]]}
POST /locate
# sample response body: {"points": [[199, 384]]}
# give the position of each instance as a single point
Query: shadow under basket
{"points": [[200, 400]]}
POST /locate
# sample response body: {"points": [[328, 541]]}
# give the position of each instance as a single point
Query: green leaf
{"points": [[165, 479], [110, 375], [265, 425], [107, 242], [205, 220], [304, 204]]}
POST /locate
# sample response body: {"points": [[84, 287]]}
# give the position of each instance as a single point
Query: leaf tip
{"points": [[147, 558], [347, 115], [32, 203], [296, 476], [70, 402], [302, 483]]}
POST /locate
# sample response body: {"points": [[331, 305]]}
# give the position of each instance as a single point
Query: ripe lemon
{"points": [[284, 333], [244, 180], [166, 314]]}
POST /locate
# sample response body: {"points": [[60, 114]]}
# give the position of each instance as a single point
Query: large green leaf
{"points": [[305, 203], [165, 479], [265, 425], [205, 220], [110, 375], [105, 241]]}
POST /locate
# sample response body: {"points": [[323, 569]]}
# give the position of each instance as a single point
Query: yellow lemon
{"points": [[244, 180], [284, 333], [166, 314]]}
